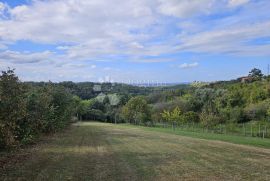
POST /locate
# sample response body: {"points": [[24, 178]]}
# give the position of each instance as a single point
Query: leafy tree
{"points": [[256, 73], [268, 114], [12, 107], [136, 110], [173, 116], [28, 110], [38, 105]]}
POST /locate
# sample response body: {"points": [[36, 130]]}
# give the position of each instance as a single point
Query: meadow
{"points": [[100, 151]]}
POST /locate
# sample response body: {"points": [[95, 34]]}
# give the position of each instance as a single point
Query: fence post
{"points": [[259, 130], [251, 130], [245, 129], [265, 131]]}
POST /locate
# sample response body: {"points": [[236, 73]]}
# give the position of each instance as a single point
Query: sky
{"points": [[134, 41]]}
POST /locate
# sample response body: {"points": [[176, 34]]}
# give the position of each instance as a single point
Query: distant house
{"points": [[246, 79]]}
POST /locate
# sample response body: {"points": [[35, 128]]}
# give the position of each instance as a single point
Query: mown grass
{"points": [[98, 151], [252, 141]]}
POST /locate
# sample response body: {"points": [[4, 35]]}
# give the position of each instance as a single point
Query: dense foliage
{"points": [[27, 111], [232, 102]]}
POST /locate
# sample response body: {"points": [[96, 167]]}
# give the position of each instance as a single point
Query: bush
{"points": [[190, 117], [257, 111], [209, 119], [26, 112], [12, 107]]}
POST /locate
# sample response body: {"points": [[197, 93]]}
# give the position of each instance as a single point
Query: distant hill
{"points": [[88, 90]]}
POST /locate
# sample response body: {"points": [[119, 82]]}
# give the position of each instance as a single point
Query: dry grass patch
{"points": [[97, 151]]}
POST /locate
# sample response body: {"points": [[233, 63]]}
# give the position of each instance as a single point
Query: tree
{"points": [[173, 116], [136, 110], [255, 73], [268, 114], [190, 117], [38, 107], [12, 107], [209, 119]]}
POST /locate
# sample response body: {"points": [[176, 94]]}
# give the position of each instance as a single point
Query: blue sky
{"points": [[134, 40]]}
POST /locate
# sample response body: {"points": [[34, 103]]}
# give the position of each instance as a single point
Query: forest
{"points": [[31, 109], [227, 102]]}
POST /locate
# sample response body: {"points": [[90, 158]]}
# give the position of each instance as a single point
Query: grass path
{"points": [[97, 151]]}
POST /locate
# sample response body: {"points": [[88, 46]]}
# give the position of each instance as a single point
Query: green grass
{"points": [[252, 141], [99, 151]]}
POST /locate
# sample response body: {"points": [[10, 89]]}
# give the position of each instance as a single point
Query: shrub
{"points": [[12, 107], [25, 112], [190, 117], [257, 111], [209, 119]]}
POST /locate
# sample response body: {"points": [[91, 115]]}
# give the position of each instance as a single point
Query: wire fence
{"points": [[261, 130]]}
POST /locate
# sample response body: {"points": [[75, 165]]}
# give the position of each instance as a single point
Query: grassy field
{"points": [[251, 141], [98, 151]]}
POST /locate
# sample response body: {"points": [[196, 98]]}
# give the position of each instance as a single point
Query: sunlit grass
{"points": [[98, 151], [75, 150]]}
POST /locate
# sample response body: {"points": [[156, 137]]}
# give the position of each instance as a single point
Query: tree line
{"points": [[28, 111], [209, 104]]}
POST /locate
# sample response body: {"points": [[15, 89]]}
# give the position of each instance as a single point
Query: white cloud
{"points": [[233, 40], [93, 66], [234, 3], [76, 21], [186, 8], [26, 57], [107, 68], [98, 28], [4, 8], [187, 66], [134, 30]]}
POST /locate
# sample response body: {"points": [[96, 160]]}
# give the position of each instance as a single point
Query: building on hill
{"points": [[246, 79]]}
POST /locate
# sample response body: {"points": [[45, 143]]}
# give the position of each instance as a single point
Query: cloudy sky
{"points": [[134, 40]]}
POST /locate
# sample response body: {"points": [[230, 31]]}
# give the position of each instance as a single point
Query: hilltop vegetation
{"points": [[229, 102], [30, 109]]}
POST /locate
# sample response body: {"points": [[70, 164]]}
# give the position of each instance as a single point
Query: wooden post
{"points": [[259, 130], [245, 129], [264, 131], [251, 130]]}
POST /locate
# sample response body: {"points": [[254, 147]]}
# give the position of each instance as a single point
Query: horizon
{"points": [[166, 41]]}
